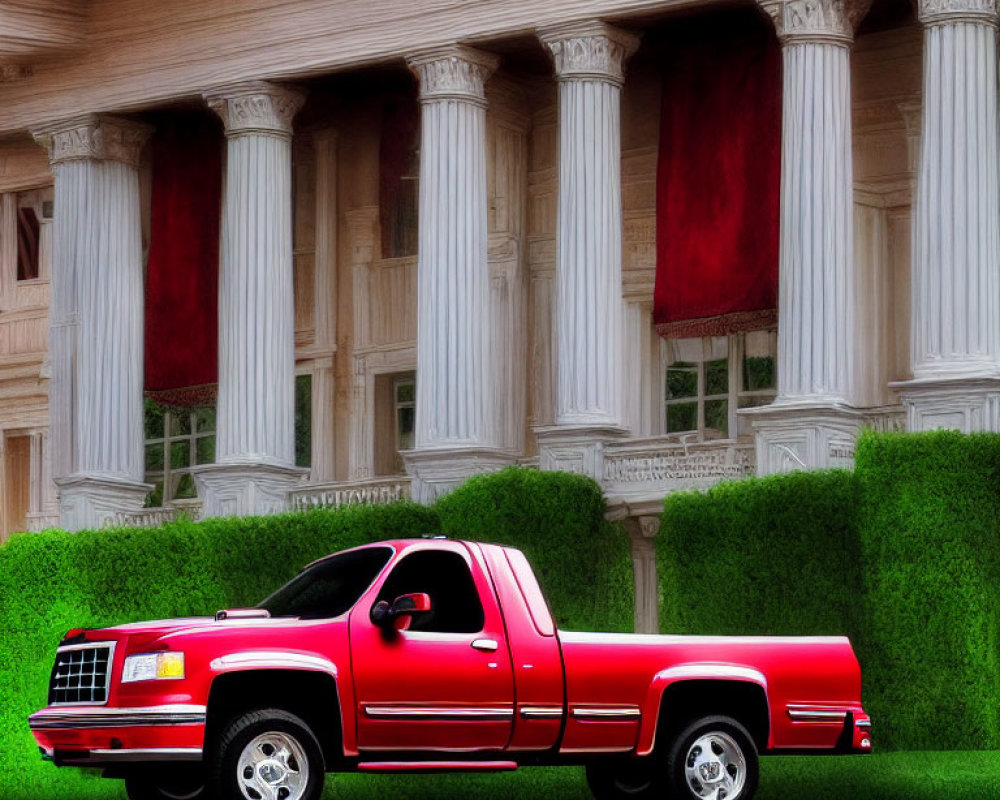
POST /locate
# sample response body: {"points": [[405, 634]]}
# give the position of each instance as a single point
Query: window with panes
{"points": [[709, 379], [177, 439]]}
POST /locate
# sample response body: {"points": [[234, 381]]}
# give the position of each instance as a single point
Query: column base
{"points": [[805, 435], [436, 471], [90, 501], [964, 404], [576, 448], [242, 489]]}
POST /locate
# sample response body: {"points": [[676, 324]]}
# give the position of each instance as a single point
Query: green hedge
{"points": [[55, 581], [774, 555], [930, 539], [903, 555], [557, 519]]}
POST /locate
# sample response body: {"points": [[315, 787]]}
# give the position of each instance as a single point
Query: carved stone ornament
{"points": [[826, 21], [941, 12], [453, 73], [590, 51], [256, 107], [94, 138]]}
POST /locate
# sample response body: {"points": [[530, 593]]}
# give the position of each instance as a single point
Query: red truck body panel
{"points": [[517, 687]]}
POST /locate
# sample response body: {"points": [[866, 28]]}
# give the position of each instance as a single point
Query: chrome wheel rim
{"points": [[715, 767], [273, 766]]}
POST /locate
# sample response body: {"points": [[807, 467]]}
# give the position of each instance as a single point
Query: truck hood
{"points": [[142, 633]]}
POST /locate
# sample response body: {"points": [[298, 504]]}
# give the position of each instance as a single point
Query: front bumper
{"points": [[100, 736]]}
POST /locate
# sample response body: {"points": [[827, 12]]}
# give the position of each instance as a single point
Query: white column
{"points": [[956, 239], [812, 421], [589, 60], [590, 67], [96, 340], [255, 438], [457, 433]]}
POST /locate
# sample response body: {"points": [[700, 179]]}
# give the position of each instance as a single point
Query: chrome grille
{"points": [[82, 674]]}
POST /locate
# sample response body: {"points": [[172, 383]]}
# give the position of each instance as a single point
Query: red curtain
{"points": [[718, 178], [183, 274]]}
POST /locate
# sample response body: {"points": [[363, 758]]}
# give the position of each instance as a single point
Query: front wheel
{"points": [[713, 758], [267, 755]]}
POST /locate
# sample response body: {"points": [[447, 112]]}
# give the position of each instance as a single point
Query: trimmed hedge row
{"points": [[930, 539], [55, 581], [903, 555], [776, 555]]}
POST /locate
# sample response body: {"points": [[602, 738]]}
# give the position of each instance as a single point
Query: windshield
{"points": [[329, 588]]}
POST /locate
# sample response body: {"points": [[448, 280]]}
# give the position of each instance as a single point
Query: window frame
{"points": [[164, 475], [735, 352]]}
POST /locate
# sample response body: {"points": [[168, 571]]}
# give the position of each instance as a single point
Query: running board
{"points": [[437, 766]]}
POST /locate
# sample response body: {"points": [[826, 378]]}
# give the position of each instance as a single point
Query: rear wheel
{"points": [[177, 783], [713, 758], [267, 755]]}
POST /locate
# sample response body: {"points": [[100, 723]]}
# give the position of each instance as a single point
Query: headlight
{"points": [[150, 666]]}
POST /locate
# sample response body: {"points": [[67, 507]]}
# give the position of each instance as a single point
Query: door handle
{"points": [[486, 645]]}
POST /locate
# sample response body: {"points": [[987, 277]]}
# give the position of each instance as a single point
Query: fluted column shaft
{"points": [[256, 413], [816, 275], [455, 384], [97, 298], [956, 241], [96, 351], [589, 63]]}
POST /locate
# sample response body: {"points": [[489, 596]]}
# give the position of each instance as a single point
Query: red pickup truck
{"points": [[435, 655]]}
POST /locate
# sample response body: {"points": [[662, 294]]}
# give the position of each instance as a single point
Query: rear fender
{"points": [[663, 679]]}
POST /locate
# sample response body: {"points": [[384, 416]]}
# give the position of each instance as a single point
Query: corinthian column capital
{"points": [[94, 138], [827, 21], [589, 51], [941, 12], [256, 107], [454, 72]]}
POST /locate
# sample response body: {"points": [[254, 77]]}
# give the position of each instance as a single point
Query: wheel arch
{"points": [[308, 690], [679, 693]]}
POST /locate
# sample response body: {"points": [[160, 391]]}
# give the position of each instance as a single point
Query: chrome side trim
{"points": [[607, 713], [149, 754], [818, 714], [464, 714], [99, 717], [864, 724], [541, 712], [273, 659]]}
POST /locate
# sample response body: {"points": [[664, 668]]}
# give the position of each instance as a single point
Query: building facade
{"points": [[400, 298]]}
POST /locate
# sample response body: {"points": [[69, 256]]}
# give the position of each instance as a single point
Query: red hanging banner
{"points": [[182, 277], [718, 178]]}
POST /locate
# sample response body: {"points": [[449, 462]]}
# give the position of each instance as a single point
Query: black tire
{"points": [[624, 779], [731, 765], [175, 783], [296, 769]]}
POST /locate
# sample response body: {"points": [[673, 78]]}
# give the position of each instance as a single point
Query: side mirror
{"points": [[399, 615]]}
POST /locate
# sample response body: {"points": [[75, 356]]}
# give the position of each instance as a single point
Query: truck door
{"points": [[445, 683]]}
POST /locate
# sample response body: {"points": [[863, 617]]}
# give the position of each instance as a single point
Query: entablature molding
{"points": [[590, 50], [94, 137]]}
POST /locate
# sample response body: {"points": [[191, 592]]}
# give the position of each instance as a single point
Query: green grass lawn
{"points": [[883, 776]]}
